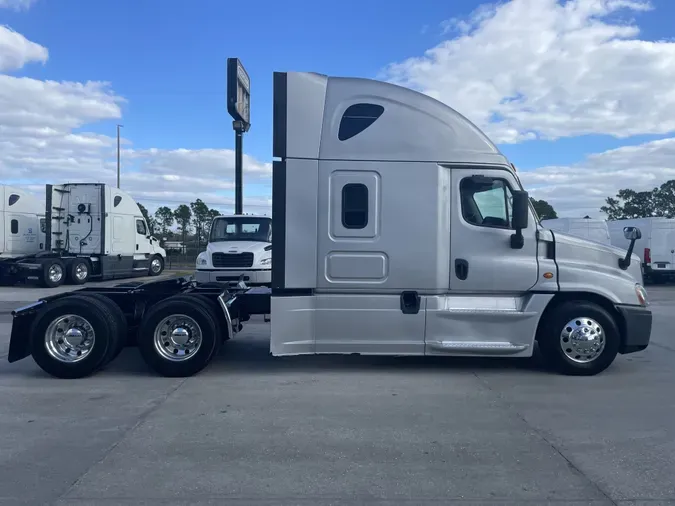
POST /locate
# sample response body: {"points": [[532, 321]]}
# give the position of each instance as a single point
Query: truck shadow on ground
{"points": [[252, 356]]}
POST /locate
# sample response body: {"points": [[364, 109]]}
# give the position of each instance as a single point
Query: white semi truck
{"points": [[22, 223], [239, 249], [92, 231], [399, 229]]}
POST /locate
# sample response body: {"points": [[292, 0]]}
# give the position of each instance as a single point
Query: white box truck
{"points": [[22, 223], [239, 249], [399, 229], [92, 231], [586, 228], [656, 247]]}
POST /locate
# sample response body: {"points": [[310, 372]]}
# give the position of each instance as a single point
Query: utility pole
{"points": [[118, 154]]}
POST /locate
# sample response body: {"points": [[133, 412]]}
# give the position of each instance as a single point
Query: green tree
{"points": [[200, 215], [164, 217], [148, 219], [183, 215], [544, 210], [657, 202]]}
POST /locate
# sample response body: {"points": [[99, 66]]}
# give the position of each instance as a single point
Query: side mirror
{"points": [[632, 234], [520, 218]]}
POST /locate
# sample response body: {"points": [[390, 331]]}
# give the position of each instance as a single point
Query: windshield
{"points": [[241, 229]]}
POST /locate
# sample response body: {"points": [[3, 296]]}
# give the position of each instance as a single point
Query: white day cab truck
{"points": [[656, 247], [92, 231], [399, 229], [22, 224], [586, 228], [239, 249]]}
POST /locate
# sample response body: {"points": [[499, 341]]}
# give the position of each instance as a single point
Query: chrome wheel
{"points": [[55, 273], [582, 340], [81, 271], [177, 337], [156, 265], [69, 338]]}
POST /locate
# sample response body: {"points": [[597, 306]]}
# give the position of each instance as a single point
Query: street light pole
{"points": [[118, 155]]}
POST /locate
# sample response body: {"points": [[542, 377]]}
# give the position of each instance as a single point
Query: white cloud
{"points": [[581, 189], [541, 68], [42, 140], [16, 50], [16, 5]]}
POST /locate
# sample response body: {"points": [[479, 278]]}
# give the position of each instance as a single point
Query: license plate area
{"points": [[660, 266]]}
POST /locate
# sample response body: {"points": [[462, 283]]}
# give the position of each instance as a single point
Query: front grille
{"points": [[232, 259]]}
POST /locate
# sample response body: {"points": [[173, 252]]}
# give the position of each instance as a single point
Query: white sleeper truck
{"points": [[399, 229], [22, 223], [239, 249], [92, 231], [656, 247]]}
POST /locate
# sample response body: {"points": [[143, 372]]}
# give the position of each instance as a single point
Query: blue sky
{"points": [[167, 61]]}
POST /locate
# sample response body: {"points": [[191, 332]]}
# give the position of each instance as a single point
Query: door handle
{"points": [[461, 268], [137, 246], [410, 302]]}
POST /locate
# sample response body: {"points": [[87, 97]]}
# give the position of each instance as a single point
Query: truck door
{"points": [[482, 259], [142, 241]]}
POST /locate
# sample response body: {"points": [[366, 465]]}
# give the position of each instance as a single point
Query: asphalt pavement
{"points": [[320, 430]]}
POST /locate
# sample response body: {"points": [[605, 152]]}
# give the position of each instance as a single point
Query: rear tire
{"points": [[53, 273], [578, 338], [118, 331], [59, 326], [79, 272], [178, 336]]}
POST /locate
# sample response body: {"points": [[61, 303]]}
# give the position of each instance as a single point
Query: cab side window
{"points": [[140, 227], [486, 202]]}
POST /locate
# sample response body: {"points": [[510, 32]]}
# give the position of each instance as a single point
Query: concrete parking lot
{"points": [[252, 429]]}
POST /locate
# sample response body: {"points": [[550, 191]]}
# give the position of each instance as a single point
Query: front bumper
{"points": [[637, 328], [262, 277]]}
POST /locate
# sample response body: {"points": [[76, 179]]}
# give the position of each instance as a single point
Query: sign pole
{"points": [[238, 170], [238, 106]]}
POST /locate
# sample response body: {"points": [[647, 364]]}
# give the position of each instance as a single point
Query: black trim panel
{"points": [[637, 328], [279, 114], [48, 217], [279, 222], [102, 218], [292, 292], [116, 266]]}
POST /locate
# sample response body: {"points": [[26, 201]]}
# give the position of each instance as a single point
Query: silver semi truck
{"points": [[399, 229]]}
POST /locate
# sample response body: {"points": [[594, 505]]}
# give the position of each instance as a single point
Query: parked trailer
{"points": [[22, 223], [92, 231], [586, 228], [656, 247], [400, 229]]}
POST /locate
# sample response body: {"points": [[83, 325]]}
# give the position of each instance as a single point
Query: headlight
{"points": [[201, 259], [266, 261], [641, 294]]}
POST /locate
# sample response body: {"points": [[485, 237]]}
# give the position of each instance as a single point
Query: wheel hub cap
{"points": [[69, 338], [582, 340], [177, 337], [155, 265], [81, 271], [55, 273]]}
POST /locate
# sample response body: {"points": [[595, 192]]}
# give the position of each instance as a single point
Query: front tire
{"points": [[579, 338], [156, 266], [70, 337], [178, 337]]}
